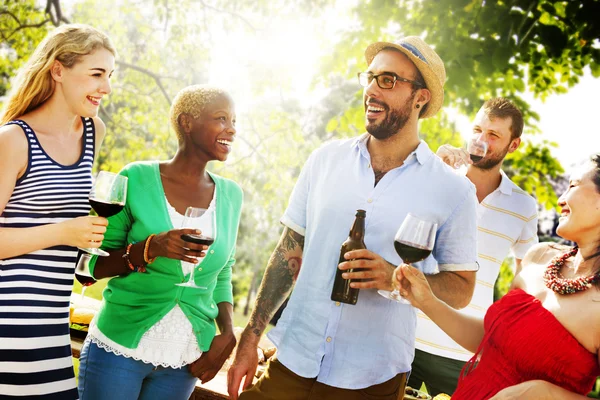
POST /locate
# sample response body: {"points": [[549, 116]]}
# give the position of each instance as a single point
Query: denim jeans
{"points": [[106, 376]]}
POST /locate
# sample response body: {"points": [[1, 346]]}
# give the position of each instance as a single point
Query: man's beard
{"points": [[490, 162], [393, 123]]}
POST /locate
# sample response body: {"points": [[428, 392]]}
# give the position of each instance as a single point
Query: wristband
{"points": [[134, 268]]}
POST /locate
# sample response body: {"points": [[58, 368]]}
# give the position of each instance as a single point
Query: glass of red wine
{"points": [[107, 198], [413, 242], [204, 220], [476, 148], [82, 273]]}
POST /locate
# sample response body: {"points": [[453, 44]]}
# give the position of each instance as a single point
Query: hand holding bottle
{"points": [[367, 270]]}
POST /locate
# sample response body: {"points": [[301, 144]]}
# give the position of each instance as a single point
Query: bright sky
{"points": [[571, 120]]}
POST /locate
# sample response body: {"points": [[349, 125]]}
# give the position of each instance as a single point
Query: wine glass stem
{"points": [[192, 279], [83, 289]]}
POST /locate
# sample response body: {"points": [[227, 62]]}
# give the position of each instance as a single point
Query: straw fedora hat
{"points": [[427, 62]]}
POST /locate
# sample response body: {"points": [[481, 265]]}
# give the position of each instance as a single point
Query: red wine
{"points": [[106, 209], [197, 239], [410, 252], [475, 158], [85, 280]]}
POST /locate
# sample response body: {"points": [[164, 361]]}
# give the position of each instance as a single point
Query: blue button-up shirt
{"points": [[356, 346]]}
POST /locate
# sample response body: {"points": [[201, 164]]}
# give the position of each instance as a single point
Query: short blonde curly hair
{"points": [[192, 100]]}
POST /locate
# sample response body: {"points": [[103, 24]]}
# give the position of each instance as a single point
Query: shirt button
{"points": [[369, 200], [369, 166], [212, 252], [328, 339], [199, 269], [337, 303]]}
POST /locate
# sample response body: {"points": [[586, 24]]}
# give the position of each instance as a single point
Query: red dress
{"points": [[523, 341]]}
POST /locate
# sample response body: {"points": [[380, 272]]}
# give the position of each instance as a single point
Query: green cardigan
{"points": [[135, 302]]}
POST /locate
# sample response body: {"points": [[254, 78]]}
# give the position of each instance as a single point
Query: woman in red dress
{"points": [[542, 339]]}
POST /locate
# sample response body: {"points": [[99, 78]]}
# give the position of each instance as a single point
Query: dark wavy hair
{"points": [[596, 179]]}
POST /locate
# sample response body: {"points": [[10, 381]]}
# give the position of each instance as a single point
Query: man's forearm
{"points": [[277, 282], [455, 288]]}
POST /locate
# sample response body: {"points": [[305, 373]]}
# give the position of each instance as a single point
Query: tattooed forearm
{"points": [[291, 240], [278, 280]]}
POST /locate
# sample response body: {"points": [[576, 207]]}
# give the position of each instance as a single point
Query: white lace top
{"points": [[168, 343]]}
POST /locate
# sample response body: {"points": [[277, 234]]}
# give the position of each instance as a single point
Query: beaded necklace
{"points": [[567, 286]]}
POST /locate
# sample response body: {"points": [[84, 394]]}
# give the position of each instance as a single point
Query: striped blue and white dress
{"points": [[35, 347]]}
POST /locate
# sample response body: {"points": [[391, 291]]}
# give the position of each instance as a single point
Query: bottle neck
{"points": [[358, 229]]}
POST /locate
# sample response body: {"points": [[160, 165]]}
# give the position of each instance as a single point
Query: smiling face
{"points": [[580, 207], [85, 84], [388, 110], [213, 132], [497, 133]]}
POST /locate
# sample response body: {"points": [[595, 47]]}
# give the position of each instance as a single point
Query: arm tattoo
{"points": [[291, 240], [278, 280]]}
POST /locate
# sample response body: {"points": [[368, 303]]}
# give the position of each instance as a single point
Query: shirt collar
{"points": [[505, 184], [422, 152]]}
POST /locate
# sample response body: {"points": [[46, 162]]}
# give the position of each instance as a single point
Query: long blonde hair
{"points": [[34, 83]]}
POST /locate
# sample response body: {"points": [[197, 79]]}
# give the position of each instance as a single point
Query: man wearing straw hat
{"points": [[326, 349]]}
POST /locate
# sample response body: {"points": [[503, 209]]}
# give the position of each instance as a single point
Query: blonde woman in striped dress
{"points": [[49, 135]]}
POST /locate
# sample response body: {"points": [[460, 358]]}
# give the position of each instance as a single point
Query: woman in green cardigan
{"points": [[153, 338]]}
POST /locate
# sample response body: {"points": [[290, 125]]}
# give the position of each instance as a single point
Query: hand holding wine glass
{"points": [[413, 242], [412, 285], [81, 232], [107, 198], [476, 149], [203, 220]]}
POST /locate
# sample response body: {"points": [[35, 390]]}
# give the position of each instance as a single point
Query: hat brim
{"points": [[431, 80]]}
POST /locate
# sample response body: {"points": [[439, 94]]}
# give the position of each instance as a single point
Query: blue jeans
{"points": [[106, 376]]}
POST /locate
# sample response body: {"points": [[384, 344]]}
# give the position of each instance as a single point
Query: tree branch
{"points": [[58, 16], [244, 20], [157, 78], [20, 27]]}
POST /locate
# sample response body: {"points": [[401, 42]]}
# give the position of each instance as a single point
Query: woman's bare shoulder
{"points": [[12, 139], [543, 252]]}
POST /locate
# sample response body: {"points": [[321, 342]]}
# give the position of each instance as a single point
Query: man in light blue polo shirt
{"points": [[328, 350]]}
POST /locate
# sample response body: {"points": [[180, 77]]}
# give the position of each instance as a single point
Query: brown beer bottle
{"points": [[342, 291]]}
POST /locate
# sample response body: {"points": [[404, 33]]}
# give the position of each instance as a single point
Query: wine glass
{"points": [[476, 148], [413, 242], [205, 221], [82, 273], [107, 198]]}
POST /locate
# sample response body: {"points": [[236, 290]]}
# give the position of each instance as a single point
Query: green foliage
{"points": [[505, 278], [531, 169], [22, 26]]}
